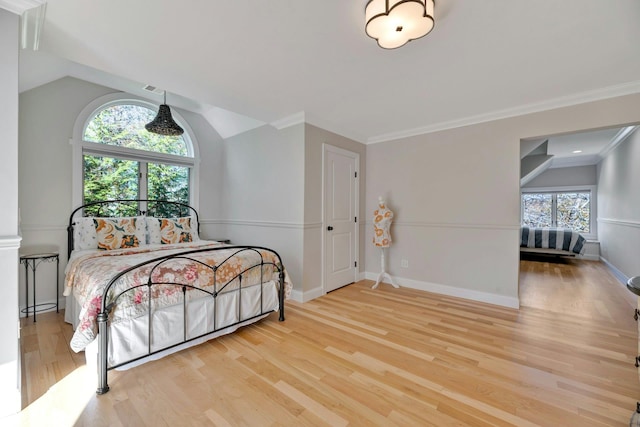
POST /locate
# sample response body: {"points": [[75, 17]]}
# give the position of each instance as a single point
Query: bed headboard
{"points": [[129, 207]]}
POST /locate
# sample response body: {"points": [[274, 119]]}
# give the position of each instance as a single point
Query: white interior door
{"points": [[340, 217]]}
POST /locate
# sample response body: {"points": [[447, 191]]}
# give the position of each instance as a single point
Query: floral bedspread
{"points": [[88, 274]]}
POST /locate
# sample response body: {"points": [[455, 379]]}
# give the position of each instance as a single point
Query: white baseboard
{"points": [[617, 273], [451, 291], [469, 294], [300, 296], [11, 397]]}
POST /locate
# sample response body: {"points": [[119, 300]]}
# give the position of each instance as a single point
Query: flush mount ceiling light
{"points": [[393, 23], [163, 124]]}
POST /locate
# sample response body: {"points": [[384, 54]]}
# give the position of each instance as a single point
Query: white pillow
{"points": [[84, 234], [153, 231]]}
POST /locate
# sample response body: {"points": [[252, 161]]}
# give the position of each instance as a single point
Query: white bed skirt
{"points": [[128, 341]]}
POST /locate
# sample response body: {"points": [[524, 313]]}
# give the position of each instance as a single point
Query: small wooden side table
{"points": [[31, 257]]}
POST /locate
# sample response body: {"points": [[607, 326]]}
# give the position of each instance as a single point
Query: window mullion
{"points": [[554, 210], [132, 154], [143, 181]]}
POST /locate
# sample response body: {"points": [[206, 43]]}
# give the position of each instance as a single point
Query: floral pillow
{"points": [[117, 233], [171, 230]]}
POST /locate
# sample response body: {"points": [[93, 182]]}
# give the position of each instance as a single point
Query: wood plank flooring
{"points": [[362, 357]]}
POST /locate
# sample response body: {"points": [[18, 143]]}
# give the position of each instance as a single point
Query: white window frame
{"points": [[80, 147], [593, 203]]}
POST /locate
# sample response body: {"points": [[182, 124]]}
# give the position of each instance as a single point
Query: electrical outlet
{"points": [[404, 263]]}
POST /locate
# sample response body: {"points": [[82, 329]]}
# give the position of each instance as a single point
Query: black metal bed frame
{"points": [[109, 299]]}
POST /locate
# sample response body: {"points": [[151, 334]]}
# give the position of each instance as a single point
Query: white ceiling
{"points": [[585, 148], [243, 63]]}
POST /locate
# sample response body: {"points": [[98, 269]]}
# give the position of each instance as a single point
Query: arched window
{"points": [[120, 159], [122, 125]]}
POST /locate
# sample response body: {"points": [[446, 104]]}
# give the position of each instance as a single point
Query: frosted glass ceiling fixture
{"points": [[393, 23], [164, 124]]}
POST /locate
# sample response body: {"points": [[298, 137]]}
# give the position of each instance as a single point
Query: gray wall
{"points": [[560, 177], [455, 195], [456, 198], [211, 166], [273, 194], [47, 117], [619, 208], [263, 192], [315, 137], [9, 240]]}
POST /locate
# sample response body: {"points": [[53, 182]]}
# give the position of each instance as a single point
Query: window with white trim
{"points": [[122, 160], [572, 208]]}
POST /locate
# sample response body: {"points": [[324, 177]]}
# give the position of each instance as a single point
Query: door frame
{"points": [[326, 147]]}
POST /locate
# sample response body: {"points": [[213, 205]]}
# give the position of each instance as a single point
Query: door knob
{"points": [[330, 228]]}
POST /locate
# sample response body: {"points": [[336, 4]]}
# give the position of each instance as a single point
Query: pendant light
{"points": [[164, 124]]}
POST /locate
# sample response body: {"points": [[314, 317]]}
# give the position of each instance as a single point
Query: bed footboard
{"points": [[249, 281]]}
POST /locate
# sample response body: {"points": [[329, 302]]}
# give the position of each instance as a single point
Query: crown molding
{"points": [[292, 120], [569, 162], [623, 134], [19, 6], [564, 101]]}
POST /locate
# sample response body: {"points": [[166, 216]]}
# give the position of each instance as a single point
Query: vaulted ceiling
{"points": [[242, 63]]}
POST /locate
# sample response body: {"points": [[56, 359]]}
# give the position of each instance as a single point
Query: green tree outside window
{"points": [[116, 177]]}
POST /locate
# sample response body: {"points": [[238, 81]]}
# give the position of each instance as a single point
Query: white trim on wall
{"points": [[617, 273], [264, 224], [620, 222], [450, 225], [469, 294], [10, 242], [292, 120], [43, 227], [20, 6], [551, 104], [302, 296]]}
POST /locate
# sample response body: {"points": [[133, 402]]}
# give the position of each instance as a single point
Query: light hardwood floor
{"points": [[380, 357]]}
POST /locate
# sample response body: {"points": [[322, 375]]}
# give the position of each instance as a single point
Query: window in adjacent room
{"points": [[122, 160], [567, 208]]}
